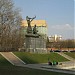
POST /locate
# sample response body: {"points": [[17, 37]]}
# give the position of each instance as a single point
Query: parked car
{"points": [[72, 51], [57, 51]]}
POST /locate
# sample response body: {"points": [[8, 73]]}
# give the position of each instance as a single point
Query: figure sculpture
{"points": [[35, 30], [29, 20]]}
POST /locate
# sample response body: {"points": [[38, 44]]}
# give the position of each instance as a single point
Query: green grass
{"points": [[13, 70], [39, 58], [71, 54], [4, 62], [8, 69]]}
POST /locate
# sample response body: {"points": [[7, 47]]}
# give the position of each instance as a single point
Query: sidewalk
{"points": [[49, 68]]}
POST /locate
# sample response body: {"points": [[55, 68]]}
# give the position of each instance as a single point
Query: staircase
{"points": [[13, 59], [66, 56]]}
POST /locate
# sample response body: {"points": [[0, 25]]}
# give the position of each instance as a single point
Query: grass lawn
{"points": [[7, 69], [71, 54], [39, 58]]}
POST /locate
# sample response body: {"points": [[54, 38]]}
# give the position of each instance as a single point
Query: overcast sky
{"points": [[59, 14]]}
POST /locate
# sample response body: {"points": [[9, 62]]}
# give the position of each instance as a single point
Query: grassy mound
{"points": [[7, 69], [71, 54], [39, 58], [4, 62]]}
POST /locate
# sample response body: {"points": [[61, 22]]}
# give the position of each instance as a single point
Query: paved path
{"points": [[50, 68], [12, 58], [66, 56]]}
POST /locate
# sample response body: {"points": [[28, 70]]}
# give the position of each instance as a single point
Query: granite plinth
{"points": [[35, 43]]}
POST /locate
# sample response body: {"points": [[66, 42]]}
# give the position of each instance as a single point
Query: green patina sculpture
{"points": [[35, 30], [29, 20]]}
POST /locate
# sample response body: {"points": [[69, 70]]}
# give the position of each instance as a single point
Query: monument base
{"points": [[35, 44]]}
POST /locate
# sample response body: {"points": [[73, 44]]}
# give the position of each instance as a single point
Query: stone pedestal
{"points": [[35, 43]]}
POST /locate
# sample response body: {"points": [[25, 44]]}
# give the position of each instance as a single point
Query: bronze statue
{"points": [[29, 20], [35, 30]]}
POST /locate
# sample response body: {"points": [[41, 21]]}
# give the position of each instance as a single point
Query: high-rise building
{"points": [[55, 38]]}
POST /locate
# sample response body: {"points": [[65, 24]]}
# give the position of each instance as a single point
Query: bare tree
{"points": [[10, 21]]}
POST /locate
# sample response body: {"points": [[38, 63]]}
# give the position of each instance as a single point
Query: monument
{"points": [[34, 42], [29, 20]]}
